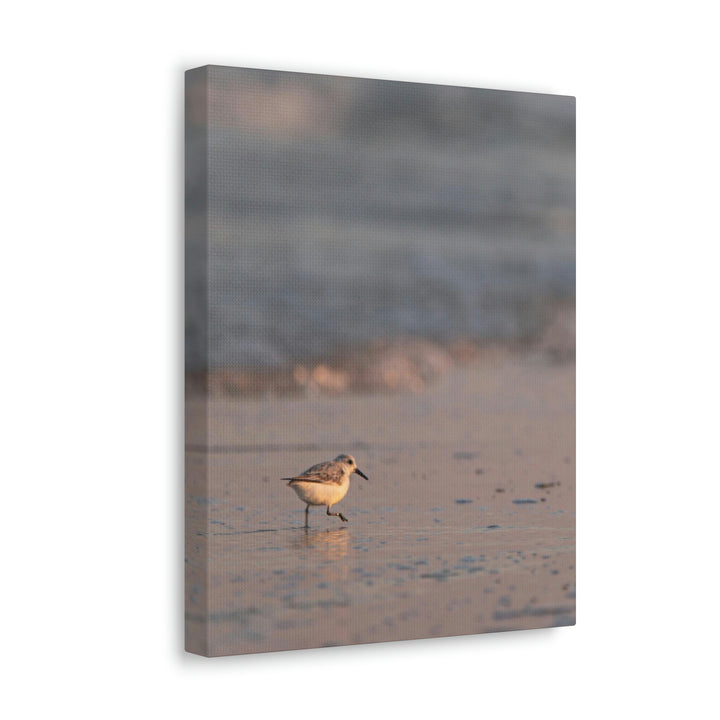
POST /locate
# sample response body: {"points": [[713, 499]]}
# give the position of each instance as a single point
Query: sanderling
{"points": [[326, 483]]}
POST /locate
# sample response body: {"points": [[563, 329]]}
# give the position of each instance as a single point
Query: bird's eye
{"points": [[349, 461]]}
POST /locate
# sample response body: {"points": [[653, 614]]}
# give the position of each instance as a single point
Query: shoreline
{"points": [[466, 526], [399, 365]]}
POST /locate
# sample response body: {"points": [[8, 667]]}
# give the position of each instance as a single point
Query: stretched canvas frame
{"points": [[381, 270]]}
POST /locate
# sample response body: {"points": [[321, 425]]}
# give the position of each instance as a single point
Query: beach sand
{"points": [[467, 524]]}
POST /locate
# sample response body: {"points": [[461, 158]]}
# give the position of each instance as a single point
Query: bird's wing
{"points": [[326, 473]]}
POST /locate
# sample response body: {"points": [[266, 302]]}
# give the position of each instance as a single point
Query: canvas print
{"points": [[380, 361]]}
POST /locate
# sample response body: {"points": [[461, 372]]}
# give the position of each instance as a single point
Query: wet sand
{"points": [[466, 526]]}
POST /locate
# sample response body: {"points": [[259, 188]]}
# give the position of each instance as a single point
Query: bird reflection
{"points": [[324, 544]]}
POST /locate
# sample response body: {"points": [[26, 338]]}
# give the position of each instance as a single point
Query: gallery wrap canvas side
{"points": [[379, 361]]}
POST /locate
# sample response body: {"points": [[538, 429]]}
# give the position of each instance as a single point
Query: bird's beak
{"points": [[361, 473]]}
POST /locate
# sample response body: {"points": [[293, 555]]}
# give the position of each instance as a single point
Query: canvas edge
{"points": [[196, 305]]}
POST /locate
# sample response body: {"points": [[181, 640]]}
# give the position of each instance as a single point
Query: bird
{"points": [[325, 484]]}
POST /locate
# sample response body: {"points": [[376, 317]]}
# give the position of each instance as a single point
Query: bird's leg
{"points": [[307, 507], [340, 515]]}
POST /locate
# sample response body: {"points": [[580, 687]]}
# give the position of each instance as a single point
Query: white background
{"points": [[91, 298]]}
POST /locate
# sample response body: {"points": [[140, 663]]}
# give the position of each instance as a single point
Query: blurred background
{"points": [[362, 234]]}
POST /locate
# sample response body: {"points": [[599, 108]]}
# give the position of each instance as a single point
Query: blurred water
{"points": [[343, 210]]}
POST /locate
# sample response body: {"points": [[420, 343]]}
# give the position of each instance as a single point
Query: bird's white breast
{"points": [[315, 493]]}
